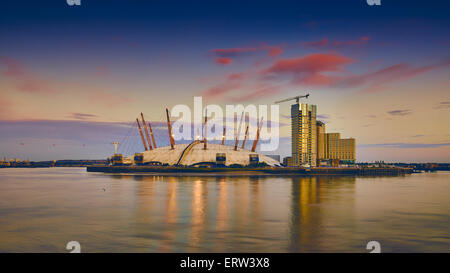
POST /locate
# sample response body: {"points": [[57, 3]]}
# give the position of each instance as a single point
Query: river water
{"points": [[41, 210]]}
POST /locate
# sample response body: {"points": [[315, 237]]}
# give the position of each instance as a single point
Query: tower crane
{"points": [[297, 98], [115, 143]]}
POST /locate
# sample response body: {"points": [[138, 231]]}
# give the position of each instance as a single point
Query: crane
{"points": [[115, 146], [297, 98]]}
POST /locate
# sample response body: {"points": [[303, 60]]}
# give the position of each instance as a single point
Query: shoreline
{"points": [[286, 171]]}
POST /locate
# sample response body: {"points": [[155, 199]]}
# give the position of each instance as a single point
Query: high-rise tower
{"points": [[321, 144], [304, 134]]}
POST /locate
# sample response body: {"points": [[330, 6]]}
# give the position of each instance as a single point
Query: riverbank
{"points": [[287, 171]]}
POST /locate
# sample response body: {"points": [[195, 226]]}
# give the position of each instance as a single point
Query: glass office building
{"points": [[304, 134]]}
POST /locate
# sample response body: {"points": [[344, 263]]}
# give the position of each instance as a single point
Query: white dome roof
{"points": [[196, 154]]}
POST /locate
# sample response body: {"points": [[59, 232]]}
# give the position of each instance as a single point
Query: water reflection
{"points": [[146, 213], [306, 216], [222, 207], [208, 207]]}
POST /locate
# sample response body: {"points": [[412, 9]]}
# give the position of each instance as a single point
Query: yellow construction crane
{"points": [[297, 98]]}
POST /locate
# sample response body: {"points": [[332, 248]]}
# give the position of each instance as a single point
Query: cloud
{"points": [[323, 116], [227, 55], [443, 105], [82, 116], [309, 69], [361, 41], [316, 44], [27, 81], [399, 112], [232, 81], [404, 145], [275, 51], [318, 69], [24, 79], [75, 130], [326, 44], [223, 61], [260, 91], [378, 80], [60, 129], [234, 52], [244, 82], [62, 139], [74, 139]]}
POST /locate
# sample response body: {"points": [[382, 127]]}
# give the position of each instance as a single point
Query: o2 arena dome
{"points": [[198, 153], [194, 154]]}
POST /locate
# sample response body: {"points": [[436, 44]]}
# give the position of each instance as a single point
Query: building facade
{"points": [[312, 146], [287, 161], [304, 134], [332, 145], [321, 144], [347, 150], [342, 149]]}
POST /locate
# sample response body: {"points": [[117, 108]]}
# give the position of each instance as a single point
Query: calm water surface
{"points": [[43, 209]]}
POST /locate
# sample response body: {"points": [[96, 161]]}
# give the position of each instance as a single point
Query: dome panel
{"points": [[197, 154]]}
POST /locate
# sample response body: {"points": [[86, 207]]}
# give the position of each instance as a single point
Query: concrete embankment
{"points": [[169, 170]]}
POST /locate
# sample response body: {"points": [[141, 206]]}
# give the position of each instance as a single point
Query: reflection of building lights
{"points": [[198, 208], [222, 205]]}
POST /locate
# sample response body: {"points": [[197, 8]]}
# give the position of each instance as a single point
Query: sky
{"points": [[73, 79]]}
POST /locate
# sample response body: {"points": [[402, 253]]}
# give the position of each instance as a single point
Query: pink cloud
{"points": [[325, 43], [232, 82], [226, 55], [24, 79], [378, 80], [363, 40], [320, 69], [224, 61], [233, 52], [275, 51], [309, 69], [259, 92], [316, 44]]}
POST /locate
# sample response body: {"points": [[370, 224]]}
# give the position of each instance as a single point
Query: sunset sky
{"points": [[74, 78]]}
